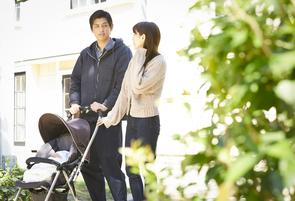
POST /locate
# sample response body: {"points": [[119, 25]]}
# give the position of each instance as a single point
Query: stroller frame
{"points": [[63, 167], [52, 187]]}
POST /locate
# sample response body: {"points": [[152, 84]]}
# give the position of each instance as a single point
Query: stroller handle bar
{"points": [[89, 144], [85, 109]]}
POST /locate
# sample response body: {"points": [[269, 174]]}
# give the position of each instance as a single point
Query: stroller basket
{"points": [[56, 195]]}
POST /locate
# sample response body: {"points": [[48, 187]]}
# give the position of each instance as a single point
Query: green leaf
{"points": [[188, 106], [241, 166], [238, 38], [257, 42], [135, 170], [272, 136], [186, 92], [196, 198], [280, 149], [237, 91], [285, 90], [282, 63], [196, 5], [176, 137], [272, 182], [217, 173], [199, 158], [287, 170]]}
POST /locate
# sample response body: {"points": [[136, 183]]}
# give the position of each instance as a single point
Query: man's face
{"points": [[101, 29]]}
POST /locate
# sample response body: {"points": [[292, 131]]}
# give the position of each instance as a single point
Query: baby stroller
{"points": [[58, 134]]}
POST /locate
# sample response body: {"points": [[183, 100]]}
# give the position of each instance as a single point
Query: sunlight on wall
{"points": [[67, 65], [47, 77]]}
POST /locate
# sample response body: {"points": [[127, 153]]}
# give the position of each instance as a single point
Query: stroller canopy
{"points": [[52, 126]]}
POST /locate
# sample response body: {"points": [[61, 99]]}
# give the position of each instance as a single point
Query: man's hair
{"points": [[100, 14], [152, 38]]}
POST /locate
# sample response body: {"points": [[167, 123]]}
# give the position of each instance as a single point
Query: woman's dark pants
{"points": [[147, 130]]}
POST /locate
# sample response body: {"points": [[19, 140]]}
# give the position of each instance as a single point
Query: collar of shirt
{"points": [[107, 47]]}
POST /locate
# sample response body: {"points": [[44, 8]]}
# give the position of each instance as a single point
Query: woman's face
{"points": [[138, 40]]}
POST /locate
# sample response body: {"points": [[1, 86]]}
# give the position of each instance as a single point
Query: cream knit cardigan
{"points": [[140, 90]]}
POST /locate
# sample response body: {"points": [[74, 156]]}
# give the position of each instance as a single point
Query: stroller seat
{"points": [[58, 135]]}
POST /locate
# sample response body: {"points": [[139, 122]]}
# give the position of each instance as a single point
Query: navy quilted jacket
{"points": [[99, 79]]}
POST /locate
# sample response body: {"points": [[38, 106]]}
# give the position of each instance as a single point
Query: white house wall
{"points": [[6, 78]]}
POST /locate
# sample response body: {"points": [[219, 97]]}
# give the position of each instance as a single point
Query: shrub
{"points": [[8, 190], [248, 61]]}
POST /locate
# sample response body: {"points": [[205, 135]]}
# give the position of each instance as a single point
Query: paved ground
{"points": [[129, 197]]}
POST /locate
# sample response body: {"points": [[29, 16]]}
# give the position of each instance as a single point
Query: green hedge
{"points": [[8, 190]]}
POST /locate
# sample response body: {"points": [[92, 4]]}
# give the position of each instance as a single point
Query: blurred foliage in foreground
{"points": [[249, 61], [141, 160]]}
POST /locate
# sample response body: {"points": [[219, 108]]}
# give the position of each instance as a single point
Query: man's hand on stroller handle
{"points": [[95, 106], [75, 108]]}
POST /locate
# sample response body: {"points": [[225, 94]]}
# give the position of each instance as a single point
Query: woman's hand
{"points": [[100, 121], [95, 106]]}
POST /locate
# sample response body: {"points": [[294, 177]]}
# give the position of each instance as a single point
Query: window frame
{"points": [[90, 8], [65, 106], [84, 3], [19, 139], [17, 12]]}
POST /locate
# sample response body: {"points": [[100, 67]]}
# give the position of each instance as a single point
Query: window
{"points": [[17, 12], [19, 109], [94, 1], [66, 82], [80, 3]]}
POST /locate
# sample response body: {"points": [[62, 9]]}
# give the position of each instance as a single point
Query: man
{"points": [[96, 80]]}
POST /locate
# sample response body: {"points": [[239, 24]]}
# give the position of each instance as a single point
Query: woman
{"points": [[141, 88]]}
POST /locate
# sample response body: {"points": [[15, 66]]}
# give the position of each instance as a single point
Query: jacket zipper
{"points": [[96, 85]]}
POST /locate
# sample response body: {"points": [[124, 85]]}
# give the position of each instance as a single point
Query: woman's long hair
{"points": [[152, 38]]}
